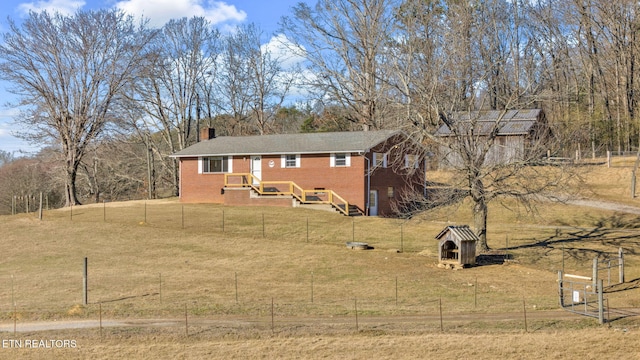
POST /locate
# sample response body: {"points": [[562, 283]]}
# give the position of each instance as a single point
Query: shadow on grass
{"points": [[619, 314], [607, 232], [492, 259], [627, 285]]}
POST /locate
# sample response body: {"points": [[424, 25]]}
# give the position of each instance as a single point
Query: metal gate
{"points": [[580, 296], [585, 295]]}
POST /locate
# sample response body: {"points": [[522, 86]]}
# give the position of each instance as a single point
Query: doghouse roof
{"points": [[461, 232]]}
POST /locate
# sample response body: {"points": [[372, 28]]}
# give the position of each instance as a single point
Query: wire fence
{"points": [[272, 314], [325, 302]]}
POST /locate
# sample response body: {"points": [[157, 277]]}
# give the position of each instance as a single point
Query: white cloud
{"points": [[159, 12], [284, 50], [65, 7]]}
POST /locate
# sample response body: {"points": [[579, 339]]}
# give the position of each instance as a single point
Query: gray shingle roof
{"points": [[514, 122], [308, 143]]}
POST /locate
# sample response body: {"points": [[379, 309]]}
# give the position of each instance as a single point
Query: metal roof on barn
{"points": [[510, 122], [306, 143], [461, 232]]}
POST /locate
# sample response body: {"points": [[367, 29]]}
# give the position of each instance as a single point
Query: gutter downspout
{"points": [[368, 195]]}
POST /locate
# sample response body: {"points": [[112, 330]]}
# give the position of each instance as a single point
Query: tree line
{"points": [[111, 97]]}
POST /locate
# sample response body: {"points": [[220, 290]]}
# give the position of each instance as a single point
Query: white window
{"points": [[215, 164], [290, 161], [340, 160], [379, 160], [411, 161]]}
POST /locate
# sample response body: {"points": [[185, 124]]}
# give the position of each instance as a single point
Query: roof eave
{"points": [[360, 152]]}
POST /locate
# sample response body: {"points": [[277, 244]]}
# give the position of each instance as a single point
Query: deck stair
{"points": [[352, 211], [289, 188]]}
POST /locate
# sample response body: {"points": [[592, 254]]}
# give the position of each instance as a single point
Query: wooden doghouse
{"points": [[456, 247]]}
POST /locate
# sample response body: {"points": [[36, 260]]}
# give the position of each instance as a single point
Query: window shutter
{"points": [[200, 165], [230, 164], [283, 161], [332, 160]]}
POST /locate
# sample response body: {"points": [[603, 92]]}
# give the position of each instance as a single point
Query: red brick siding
{"points": [[314, 172], [241, 197], [196, 187], [394, 175]]}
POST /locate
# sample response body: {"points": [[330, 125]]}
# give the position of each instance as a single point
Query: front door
{"points": [[373, 203], [256, 168]]}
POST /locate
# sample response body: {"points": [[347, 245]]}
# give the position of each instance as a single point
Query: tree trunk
{"points": [[175, 169], [480, 224], [70, 186]]}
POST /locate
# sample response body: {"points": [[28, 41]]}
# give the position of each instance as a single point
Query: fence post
{"points": [[355, 301], [312, 278], [475, 294], [396, 291], [40, 208], [594, 278], [100, 312], [186, 321], [620, 265], [600, 303], [84, 283], [236, 276], [524, 307], [440, 305], [560, 288]]}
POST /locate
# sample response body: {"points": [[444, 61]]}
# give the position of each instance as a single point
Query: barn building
{"points": [[516, 133]]}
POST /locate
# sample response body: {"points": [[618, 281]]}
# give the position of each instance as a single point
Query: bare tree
{"points": [[467, 79], [170, 90], [344, 42], [269, 83], [5, 157], [22, 179], [233, 82], [68, 71], [253, 82]]}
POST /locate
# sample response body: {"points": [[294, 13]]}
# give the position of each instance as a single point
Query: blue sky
{"points": [[224, 14]]}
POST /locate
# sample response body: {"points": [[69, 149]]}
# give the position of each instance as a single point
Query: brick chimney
{"points": [[207, 133]]}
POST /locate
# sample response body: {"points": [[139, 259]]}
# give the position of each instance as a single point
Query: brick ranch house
{"points": [[353, 172]]}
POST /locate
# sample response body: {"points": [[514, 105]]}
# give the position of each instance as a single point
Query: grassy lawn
{"points": [[155, 259]]}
